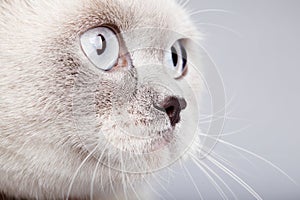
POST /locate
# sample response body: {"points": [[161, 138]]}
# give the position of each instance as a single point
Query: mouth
{"points": [[166, 138], [141, 145]]}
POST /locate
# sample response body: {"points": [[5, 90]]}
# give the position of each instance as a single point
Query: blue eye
{"points": [[101, 46], [176, 59]]}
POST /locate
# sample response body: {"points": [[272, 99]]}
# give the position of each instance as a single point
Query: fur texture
{"points": [[62, 120]]}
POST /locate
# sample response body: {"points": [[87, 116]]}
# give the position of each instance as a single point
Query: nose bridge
{"points": [[146, 56], [152, 72], [145, 38]]}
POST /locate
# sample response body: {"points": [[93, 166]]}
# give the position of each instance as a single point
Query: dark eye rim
{"points": [[184, 57]]}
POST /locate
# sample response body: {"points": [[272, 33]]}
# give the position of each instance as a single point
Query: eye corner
{"points": [[184, 73]]}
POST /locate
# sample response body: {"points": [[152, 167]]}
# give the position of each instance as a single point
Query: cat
{"points": [[96, 95]]}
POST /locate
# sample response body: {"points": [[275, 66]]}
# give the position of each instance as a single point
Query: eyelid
{"points": [[112, 27], [184, 73]]}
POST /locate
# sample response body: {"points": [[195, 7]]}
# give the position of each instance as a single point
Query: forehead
{"points": [[136, 12], [155, 18]]}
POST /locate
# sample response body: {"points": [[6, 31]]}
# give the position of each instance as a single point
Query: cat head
{"points": [[112, 80]]}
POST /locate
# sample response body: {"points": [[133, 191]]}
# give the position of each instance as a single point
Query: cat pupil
{"points": [[102, 45], [174, 56], [184, 58]]}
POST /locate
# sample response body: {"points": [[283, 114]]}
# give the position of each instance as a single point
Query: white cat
{"points": [[95, 95]]}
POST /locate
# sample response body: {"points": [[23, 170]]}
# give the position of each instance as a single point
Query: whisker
{"points": [[184, 3], [213, 118], [167, 181], [216, 117], [133, 189], [159, 183], [123, 176], [110, 180], [77, 171], [145, 179], [228, 103], [164, 188], [101, 178], [153, 175], [239, 131], [212, 10], [221, 27], [195, 159], [95, 171], [151, 187], [225, 161], [218, 188], [235, 177], [172, 171], [243, 156], [192, 180], [182, 168], [260, 158]]}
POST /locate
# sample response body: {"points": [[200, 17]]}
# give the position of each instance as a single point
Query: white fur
{"points": [[44, 116]]}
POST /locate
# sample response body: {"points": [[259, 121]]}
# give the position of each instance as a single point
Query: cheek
{"points": [[97, 101]]}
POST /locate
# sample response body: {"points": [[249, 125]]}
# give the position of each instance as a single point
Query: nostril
{"points": [[173, 106], [170, 110]]}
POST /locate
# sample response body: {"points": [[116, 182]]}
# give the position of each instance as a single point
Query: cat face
{"points": [[129, 93], [112, 81]]}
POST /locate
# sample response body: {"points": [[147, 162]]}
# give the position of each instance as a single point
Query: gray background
{"points": [[260, 67]]}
